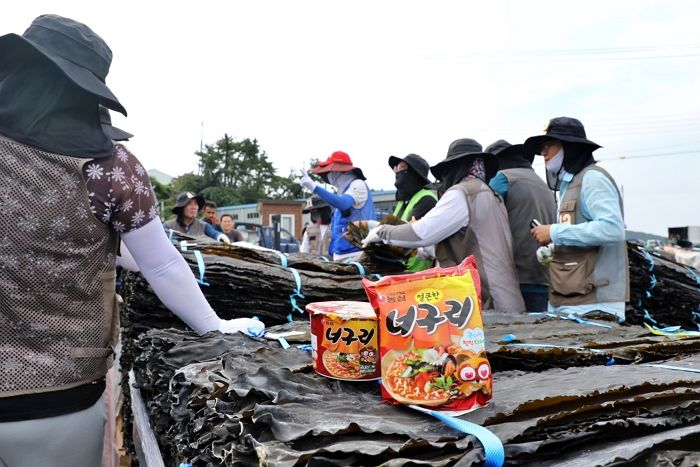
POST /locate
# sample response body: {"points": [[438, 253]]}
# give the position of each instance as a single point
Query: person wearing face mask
{"points": [[589, 271], [351, 202], [468, 219], [527, 197], [317, 238], [414, 200]]}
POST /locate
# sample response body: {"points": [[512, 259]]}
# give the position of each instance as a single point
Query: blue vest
{"points": [[339, 224]]}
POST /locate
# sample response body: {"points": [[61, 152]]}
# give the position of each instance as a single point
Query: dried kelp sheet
{"points": [[235, 400]]}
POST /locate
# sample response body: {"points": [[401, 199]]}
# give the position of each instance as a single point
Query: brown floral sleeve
{"points": [[120, 191]]}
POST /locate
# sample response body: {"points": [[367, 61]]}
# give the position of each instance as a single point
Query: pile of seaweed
{"points": [[662, 293], [563, 392]]}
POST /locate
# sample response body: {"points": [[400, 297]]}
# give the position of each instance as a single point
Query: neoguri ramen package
{"points": [[431, 338]]}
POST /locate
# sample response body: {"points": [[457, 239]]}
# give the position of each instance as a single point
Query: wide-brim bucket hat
{"points": [[502, 149], [314, 202], [184, 198], [339, 161], [111, 131], [462, 149], [419, 165], [566, 129], [72, 47]]}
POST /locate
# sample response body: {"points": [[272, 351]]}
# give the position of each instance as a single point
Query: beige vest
{"points": [[58, 309], [581, 276], [318, 243], [488, 238]]}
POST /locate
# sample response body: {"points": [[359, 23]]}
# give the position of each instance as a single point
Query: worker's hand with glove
{"points": [[250, 326], [372, 236], [306, 182], [544, 254]]}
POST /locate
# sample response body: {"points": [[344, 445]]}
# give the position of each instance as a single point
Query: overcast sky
{"points": [[385, 78]]}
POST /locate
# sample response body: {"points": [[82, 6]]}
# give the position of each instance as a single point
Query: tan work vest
{"points": [[487, 237], [58, 308], [319, 244], [581, 276]]}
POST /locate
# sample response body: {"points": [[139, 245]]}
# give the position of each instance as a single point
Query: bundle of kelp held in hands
{"points": [[662, 293], [379, 254]]}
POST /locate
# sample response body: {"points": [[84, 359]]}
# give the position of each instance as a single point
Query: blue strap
{"points": [[170, 235], [552, 346], [296, 293], [183, 245], [283, 342], [673, 367], [575, 318], [360, 267], [377, 276], [283, 259], [325, 259], [305, 347], [694, 274], [494, 453], [200, 265]]}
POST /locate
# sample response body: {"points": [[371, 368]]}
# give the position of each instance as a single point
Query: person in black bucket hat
{"points": [[415, 198], [527, 197], [58, 302], [112, 132], [468, 219], [590, 231], [187, 205]]}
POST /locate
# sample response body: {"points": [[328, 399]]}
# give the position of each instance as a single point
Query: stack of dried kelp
{"points": [[662, 293], [237, 287], [235, 400]]}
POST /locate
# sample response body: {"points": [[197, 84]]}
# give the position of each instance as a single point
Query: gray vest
{"points": [[580, 276], [528, 198], [318, 244], [487, 237], [196, 229], [58, 309]]}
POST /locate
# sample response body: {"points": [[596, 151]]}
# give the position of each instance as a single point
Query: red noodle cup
{"points": [[344, 340]]}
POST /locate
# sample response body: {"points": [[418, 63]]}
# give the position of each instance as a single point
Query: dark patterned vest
{"points": [[58, 308]]}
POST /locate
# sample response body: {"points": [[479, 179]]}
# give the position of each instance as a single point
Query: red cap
{"points": [[339, 161]]}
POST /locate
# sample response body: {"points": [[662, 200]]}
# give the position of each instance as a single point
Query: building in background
{"points": [[291, 217]]}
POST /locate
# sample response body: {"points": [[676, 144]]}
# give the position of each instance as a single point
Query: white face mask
{"points": [[554, 164], [333, 177]]}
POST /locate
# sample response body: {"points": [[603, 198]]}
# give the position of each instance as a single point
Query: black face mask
{"points": [[315, 216], [324, 214], [407, 184], [42, 108]]}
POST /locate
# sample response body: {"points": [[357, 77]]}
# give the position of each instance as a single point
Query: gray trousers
{"points": [[72, 440]]}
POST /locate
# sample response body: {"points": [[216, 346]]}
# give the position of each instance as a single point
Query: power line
{"points": [[645, 156]]}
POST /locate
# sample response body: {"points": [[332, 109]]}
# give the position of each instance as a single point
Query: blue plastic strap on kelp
{"points": [[170, 235], [183, 245], [377, 276], [359, 266], [494, 453], [296, 293], [323, 258], [283, 259], [673, 367], [200, 266], [575, 318], [694, 274]]}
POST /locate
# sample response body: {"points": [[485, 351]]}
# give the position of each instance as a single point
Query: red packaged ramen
{"points": [[344, 340], [431, 338]]}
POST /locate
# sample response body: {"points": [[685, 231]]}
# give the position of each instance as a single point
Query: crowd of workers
{"points": [[59, 160]]}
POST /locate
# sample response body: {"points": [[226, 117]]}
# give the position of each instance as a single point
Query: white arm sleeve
{"points": [[305, 247], [170, 276]]}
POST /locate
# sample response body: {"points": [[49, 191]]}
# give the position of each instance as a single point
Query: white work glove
{"points": [[306, 182], [223, 238], [544, 254], [252, 327], [372, 237]]}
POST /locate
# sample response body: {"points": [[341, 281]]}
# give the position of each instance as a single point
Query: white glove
{"points": [[372, 237], [544, 254], [306, 182], [252, 327], [223, 238]]}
